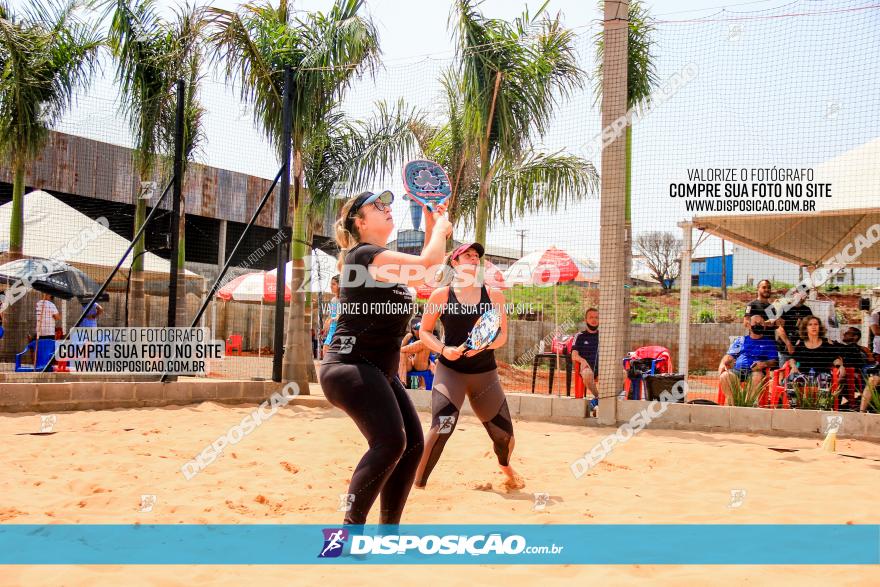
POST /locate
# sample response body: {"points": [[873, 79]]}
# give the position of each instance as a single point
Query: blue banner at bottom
{"points": [[440, 544]]}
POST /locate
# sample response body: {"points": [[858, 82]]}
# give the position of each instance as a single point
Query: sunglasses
{"points": [[382, 201]]}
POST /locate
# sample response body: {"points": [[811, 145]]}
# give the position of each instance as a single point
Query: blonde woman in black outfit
{"points": [[359, 373]]}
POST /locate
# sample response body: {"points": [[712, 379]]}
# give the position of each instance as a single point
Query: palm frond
{"points": [[47, 54], [347, 155], [531, 62], [541, 182], [324, 51], [641, 74]]}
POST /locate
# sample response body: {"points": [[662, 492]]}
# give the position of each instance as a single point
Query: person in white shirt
{"points": [[47, 314]]}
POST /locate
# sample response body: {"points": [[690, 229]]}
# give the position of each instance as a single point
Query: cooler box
{"points": [[657, 384]]}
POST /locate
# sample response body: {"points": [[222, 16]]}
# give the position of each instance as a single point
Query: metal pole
{"points": [[282, 252], [685, 307], [213, 291], [175, 204], [107, 281], [723, 272]]}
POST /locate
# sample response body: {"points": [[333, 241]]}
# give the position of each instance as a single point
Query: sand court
{"points": [[97, 466]]}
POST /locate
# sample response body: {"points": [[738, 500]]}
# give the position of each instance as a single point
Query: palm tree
{"points": [[151, 55], [46, 54], [641, 79], [509, 77], [325, 52], [446, 144]]}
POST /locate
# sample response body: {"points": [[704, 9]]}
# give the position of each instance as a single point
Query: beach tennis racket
{"points": [[426, 182], [485, 331]]}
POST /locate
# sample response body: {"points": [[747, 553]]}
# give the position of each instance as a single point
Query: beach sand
{"points": [[292, 469]]}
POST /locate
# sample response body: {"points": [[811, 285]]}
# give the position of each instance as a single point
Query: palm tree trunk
{"points": [[137, 298], [298, 366], [16, 321], [482, 218], [483, 205], [16, 223]]}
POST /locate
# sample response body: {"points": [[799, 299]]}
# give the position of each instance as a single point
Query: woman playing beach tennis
{"points": [[359, 373], [462, 372]]}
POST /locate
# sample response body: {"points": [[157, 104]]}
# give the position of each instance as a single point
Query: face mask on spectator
{"points": [[762, 330]]}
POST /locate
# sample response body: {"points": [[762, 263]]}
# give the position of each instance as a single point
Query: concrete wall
{"points": [[96, 395]]}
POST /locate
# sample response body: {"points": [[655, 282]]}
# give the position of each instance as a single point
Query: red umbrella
{"points": [[494, 278], [550, 265], [546, 267], [252, 287]]}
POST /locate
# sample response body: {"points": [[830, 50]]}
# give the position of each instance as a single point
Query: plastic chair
{"points": [[233, 343], [660, 362], [777, 393], [45, 350], [852, 381], [580, 389], [427, 375], [767, 397]]}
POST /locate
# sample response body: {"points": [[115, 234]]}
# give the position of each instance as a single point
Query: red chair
{"points": [[852, 382], [765, 400], [562, 344], [657, 359], [233, 343], [777, 393], [580, 389]]}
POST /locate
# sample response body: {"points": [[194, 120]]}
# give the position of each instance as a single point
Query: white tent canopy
{"points": [[813, 238], [848, 222], [52, 229]]}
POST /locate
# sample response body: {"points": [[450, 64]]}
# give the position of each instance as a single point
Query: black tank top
{"points": [[458, 319]]}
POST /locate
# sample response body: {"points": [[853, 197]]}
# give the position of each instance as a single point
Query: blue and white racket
{"points": [[426, 182], [485, 331]]}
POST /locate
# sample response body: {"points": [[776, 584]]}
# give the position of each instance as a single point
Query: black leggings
{"points": [[386, 417], [488, 402]]}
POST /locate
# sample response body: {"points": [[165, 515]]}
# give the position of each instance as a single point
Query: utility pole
{"points": [[522, 236], [723, 272]]}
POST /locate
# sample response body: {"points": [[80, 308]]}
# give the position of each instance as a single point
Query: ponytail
{"points": [[345, 238]]}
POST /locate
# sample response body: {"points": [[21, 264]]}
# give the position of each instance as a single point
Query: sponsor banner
{"points": [[230, 544]]}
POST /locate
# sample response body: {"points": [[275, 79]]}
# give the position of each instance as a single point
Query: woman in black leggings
{"points": [[359, 373], [463, 372]]}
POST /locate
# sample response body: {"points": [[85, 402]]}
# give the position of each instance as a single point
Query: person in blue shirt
{"points": [[585, 351], [330, 322], [749, 356]]}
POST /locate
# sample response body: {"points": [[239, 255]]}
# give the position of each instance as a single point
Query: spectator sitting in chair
{"points": [[855, 355], [414, 354], [748, 357], [860, 358], [585, 351], [813, 353]]}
